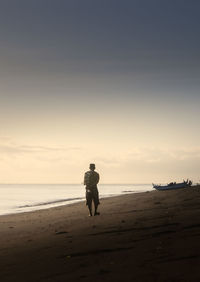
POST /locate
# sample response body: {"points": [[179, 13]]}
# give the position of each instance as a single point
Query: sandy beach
{"points": [[152, 236]]}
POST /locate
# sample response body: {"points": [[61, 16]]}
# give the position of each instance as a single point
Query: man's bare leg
{"points": [[90, 209], [95, 211]]}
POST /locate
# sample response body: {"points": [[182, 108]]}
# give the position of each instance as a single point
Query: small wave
{"points": [[128, 191], [50, 203]]}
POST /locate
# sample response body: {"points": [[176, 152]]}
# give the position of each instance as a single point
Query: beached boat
{"points": [[173, 185]]}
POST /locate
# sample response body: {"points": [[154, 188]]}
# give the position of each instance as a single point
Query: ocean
{"points": [[18, 198]]}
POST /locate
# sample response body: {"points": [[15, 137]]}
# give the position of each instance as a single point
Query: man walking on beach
{"points": [[91, 179]]}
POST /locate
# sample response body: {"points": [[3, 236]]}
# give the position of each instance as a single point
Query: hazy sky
{"points": [[115, 82]]}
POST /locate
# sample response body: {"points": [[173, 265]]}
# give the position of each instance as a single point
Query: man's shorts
{"points": [[92, 194]]}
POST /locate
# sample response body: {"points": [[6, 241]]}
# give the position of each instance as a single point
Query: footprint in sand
{"points": [[61, 232]]}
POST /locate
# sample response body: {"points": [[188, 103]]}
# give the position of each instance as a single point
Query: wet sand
{"points": [[152, 236]]}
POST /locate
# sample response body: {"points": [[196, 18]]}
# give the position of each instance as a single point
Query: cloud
{"points": [[32, 149], [9, 148], [152, 161], [148, 154]]}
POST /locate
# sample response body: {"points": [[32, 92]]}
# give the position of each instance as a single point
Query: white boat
{"points": [[173, 185]]}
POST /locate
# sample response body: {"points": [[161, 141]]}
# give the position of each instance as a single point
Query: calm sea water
{"points": [[17, 198]]}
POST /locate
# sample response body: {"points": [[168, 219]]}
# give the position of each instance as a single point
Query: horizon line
{"points": [[37, 183]]}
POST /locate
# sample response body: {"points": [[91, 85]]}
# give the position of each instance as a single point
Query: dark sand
{"points": [[152, 236]]}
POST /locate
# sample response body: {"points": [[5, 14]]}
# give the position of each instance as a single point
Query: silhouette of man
{"points": [[91, 179]]}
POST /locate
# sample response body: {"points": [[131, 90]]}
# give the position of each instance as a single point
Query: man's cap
{"points": [[92, 165]]}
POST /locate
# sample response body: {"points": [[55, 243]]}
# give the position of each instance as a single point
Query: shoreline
{"points": [[70, 204], [137, 237], [51, 203]]}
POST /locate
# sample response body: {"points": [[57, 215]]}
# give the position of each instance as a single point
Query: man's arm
{"points": [[84, 182], [98, 177]]}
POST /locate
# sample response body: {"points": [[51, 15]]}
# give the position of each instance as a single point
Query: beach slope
{"points": [[152, 236]]}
